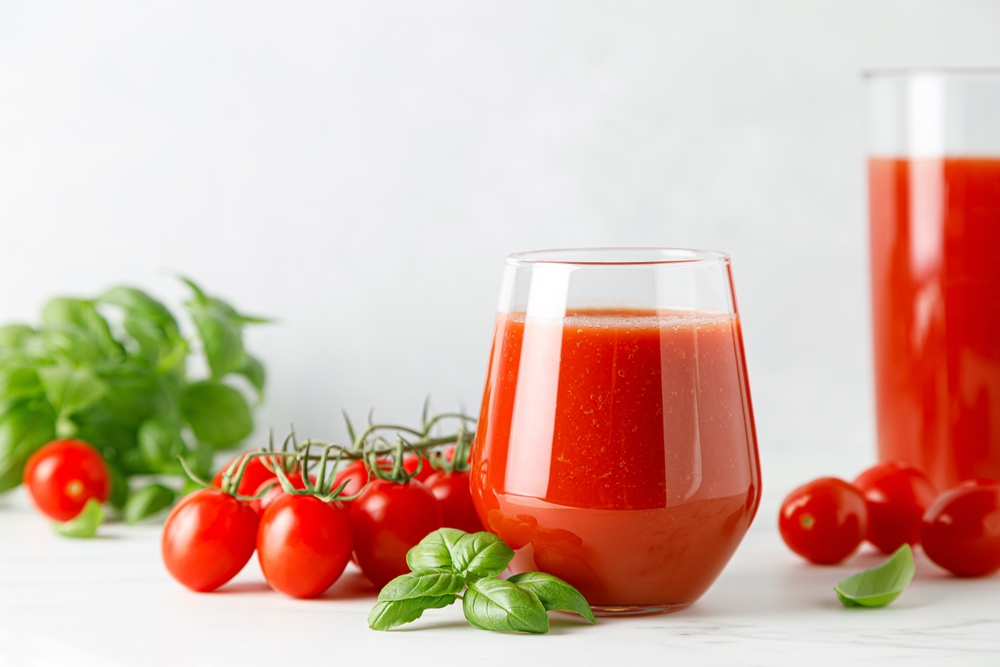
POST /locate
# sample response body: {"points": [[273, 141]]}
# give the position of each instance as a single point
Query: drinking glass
{"points": [[934, 197], [616, 445]]}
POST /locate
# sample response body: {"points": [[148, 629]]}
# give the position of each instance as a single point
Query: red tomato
{"points": [[304, 544], [356, 473], [961, 529], [824, 521], [457, 510], [208, 538], [897, 496], [63, 475], [254, 475], [410, 463], [261, 503], [388, 520]]}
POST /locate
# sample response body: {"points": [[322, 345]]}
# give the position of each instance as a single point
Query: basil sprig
{"points": [[112, 371], [879, 585], [83, 524], [448, 561]]}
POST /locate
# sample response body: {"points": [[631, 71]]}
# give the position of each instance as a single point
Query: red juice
{"points": [[616, 450], [935, 263]]}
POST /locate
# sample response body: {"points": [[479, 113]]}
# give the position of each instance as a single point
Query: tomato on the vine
{"points": [[897, 496], [303, 544], [824, 521], [961, 529], [207, 539], [261, 504], [356, 476], [254, 475], [413, 461], [63, 475], [452, 491], [388, 519]]}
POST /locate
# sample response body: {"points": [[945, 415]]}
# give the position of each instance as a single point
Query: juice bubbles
{"points": [[616, 450], [935, 261]]}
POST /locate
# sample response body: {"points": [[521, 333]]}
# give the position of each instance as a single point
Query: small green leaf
{"points": [[24, 427], [493, 604], [85, 523], [220, 328], [15, 335], [389, 614], [70, 390], [879, 585], [435, 551], [147, 501], [481, 555], [554, 593], [217, 413], [160, 443], [422, 583], [80, 317], [253, 371], [18, 382]]}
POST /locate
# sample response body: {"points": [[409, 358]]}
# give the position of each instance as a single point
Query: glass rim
{"points": [[904, 72], [616, 256]]}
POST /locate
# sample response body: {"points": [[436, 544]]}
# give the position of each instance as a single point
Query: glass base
{"points": [[637, 610]]}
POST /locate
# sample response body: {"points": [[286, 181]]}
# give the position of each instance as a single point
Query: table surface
{"points": [[108, 601]]}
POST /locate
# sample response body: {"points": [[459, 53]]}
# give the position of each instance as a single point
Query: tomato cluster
{"points": [[891, 504], [304, 539]]}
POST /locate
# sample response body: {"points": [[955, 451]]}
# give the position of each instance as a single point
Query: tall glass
{"points": [[934, 196], [616, 445]]}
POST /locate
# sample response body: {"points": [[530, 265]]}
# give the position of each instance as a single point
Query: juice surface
{"points": [[935, 262], [616, 450]]}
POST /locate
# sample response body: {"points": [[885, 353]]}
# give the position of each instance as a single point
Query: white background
{"points": [[359, 171]]}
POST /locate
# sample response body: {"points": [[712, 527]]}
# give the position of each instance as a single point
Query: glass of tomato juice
{"points": [[616, 445], [934, 213]]}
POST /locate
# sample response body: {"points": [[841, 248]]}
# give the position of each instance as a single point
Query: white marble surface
{"points": [[108, 601]]}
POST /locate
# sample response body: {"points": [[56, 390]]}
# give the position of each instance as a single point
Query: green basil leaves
{"points": [[880, 585], [113, 371], [448, 561], [85, 523]]}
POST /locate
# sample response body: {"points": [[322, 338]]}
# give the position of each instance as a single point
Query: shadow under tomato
{"points": [[352, 585], [244, 587]]}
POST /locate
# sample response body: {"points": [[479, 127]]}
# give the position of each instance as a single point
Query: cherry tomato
{"points": [[410, 463], [897, 496], [207, 539], [303, 544], [824, 521], [457, 510], [254, 475], [356, 473], [261, 503], [961, 529], [388, 520], [63, 475]]}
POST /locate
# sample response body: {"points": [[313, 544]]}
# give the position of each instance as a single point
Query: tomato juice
{"points": [[935, 266], [616, 450]]}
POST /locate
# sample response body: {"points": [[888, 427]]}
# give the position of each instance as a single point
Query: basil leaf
{"points": [[160, 443], [217, 413], [150, 325], [253, 371], [147, 501], [15, 335], [69, 389], [422, 583], [879, 585], [23, 428], [80, 317], [493, 604], [435, 550], [19, 382], [481, 555], [554, 593], [84, 524], [389, 614]]}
